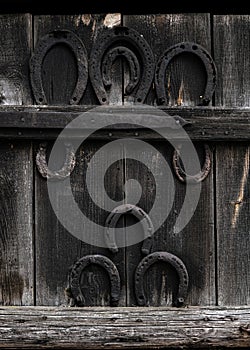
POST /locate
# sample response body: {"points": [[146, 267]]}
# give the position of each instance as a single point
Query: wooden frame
{"points": [[125, 328]]}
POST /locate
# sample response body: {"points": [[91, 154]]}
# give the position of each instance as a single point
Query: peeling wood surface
{"points": [[124, 328]]}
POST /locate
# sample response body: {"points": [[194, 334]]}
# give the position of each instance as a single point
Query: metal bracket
{"points": [[61, 174], [169, 54], [140, 214], [129, 44], [74, 288], [44, 45], [171, 259], [183, 176]]}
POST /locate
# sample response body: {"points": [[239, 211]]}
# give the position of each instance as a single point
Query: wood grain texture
{"points": [[194, 245], [15, 43], [231, 44], [16, 168], [202, 123], [127, 328], [16, 253]]}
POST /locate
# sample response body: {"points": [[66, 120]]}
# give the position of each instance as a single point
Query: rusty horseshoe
{"points": [[140, 214], [66, 169], [166, 257]]}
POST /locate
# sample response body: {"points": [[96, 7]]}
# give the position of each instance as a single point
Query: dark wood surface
{"points": [[16, 169], [232, 164]]}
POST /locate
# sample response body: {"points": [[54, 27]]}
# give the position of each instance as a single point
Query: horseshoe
{"points": [[183, 176], [44, 45], [122, 42], [176, 50], [153, 258], [140, 214], [61, 174], [77, 269]]}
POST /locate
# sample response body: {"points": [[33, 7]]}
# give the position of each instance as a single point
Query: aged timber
{"points": [[201, 123], [124, 328]]}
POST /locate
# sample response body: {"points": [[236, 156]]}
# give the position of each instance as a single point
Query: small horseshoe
{"points": [[183, 176], [44, 45], [178, 49], [171, 259], [77, 269], [132, 60], [61, 174], [140, 214]]}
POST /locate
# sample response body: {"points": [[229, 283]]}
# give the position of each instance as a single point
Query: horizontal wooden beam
{"points": [[200, 123], [124, 328]]}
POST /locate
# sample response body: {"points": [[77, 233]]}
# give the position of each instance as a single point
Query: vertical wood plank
{"points": [[16, 168], [56, 249], [231, 48], [195, 244]]}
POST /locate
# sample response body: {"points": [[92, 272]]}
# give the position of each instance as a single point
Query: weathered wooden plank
{"points": [[194, 244], [16, 253], [206, 123], [16, 168], [232, 163], [14, 59], [57, 250], [130, 328]]}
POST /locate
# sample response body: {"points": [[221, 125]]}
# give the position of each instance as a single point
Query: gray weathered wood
{"points": [[232, 163], [125, 328], [194, 245], [56, 249], [203, 124], [16, 168]]}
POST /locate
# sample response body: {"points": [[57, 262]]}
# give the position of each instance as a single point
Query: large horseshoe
{"points": [[140, 214], [178, 49], [44, 45], [183, 176], [127, 43], [171, 259], [77, 269], [61, 174]]}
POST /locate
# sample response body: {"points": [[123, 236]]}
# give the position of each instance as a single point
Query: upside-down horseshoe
{"points": [[183, 176], [44, 45], [129, 44], [66, 169], [171, 259], [77, 269], [178, 49], [140, 214]]}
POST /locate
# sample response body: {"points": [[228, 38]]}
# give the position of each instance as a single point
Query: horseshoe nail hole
{"points": [[141, 297], [74, 98], [139, 99], [194, 47], [104, 99], [40, 99], [182, 46]]}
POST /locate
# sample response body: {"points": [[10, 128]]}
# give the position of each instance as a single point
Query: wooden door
{"points": [[41, 64]]}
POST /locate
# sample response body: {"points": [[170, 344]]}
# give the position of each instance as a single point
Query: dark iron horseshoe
{"points": [[178, 49], [171, 259], [140, 214], [61, 174], [183, 176], [44, 45], [74, 287], [122, 42]]}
